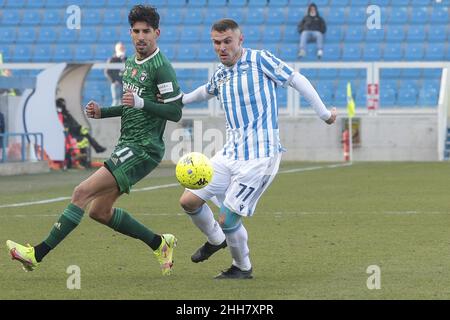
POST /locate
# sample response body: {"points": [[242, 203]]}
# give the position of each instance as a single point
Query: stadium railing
{"points": [[30, 147]]}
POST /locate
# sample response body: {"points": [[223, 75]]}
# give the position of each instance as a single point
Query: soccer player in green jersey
{"points": [[138, 152]]}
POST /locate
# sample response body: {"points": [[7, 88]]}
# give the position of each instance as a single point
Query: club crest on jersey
{"points": [[133, 73], [143, 76]]}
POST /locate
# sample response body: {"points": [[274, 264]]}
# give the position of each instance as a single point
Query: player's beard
{"points": [[143, 49]]}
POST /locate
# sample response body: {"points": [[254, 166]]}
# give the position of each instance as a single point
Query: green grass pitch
{"points": [[313, 236]]}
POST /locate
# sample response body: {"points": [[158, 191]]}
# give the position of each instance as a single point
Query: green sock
{"points": [[68, 221], [123, 222]]}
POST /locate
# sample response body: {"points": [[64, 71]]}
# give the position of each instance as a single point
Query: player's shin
{"points": [[123, 222], [203, 218], [68, 221]]}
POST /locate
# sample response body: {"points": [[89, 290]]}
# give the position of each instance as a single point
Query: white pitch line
{"points": [[171, 185]]}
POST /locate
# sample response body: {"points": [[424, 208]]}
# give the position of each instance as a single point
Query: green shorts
{"points": [[128, 165]]}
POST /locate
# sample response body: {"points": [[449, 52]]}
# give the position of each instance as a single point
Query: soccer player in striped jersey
{"points": [[139, 150], [245, 83]]}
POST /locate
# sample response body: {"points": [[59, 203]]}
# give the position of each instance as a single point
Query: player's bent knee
{"points": [[100, 216], [189, 203], [229, 221]]}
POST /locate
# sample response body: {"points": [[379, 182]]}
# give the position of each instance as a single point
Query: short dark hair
{"points": [[223, 25], [141, 13]]}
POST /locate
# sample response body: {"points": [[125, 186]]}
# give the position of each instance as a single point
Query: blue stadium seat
{"points": [[387, 98], [115, 3], [193, 17], [7, 35], [406, 97], [22, 53], [170, 51], [438, 33], [212, 16], [272, 34], [257, 3], [414, 51], [349, 74], [334, 35], [380, 2], [310, 74], [97, 4], [103, 52], [276, 16], [237, 3], [328, 75], [395, 34], [42, 53], [293, 18], [170, 34], [31, 17], [113, 17], [187, 53], [372, 52], [288, 54], [52, 17], [67, 36], [11, 17], [340, 98], [206, 53], [430, 73], [357, 15], [87, 35], [217, 3], [239, 16], [273, 48], [175, 16], [290, 35], [190, 35], [15, 3], [91, 17], [439, 15], [419, 15], [336, 4], [55, 4], [84, 52], [435, 51], [351, 52], [411, 73], [355, 34], [35, 4], [174, 3], [375, 35], [360, 3], [393, 52], [47, 35], [336, 16], [256, 16], [428, 98], [26, 35], [389, 73], [407, 84], [107, 34], [388, 84], [332, 52], [398, 16], [399, 3], [252, 34], [197, 3], [280, 3], [417, 3], [416, 33]]}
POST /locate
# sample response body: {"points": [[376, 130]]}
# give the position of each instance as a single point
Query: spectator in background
{"points": [[115, 75], [312, 28], [2, 128]]}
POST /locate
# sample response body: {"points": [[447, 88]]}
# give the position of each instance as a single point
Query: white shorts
{"points": [[239, 184]]}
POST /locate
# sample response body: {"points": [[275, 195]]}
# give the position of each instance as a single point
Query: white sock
{"points": [[237, 242], [204, 220]]}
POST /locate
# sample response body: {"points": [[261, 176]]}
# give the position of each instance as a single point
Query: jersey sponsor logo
{"points": [[143, 76], [133, 87], [166, 87]]}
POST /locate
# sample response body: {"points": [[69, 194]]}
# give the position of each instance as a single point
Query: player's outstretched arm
{"points": [[305, 88], [94, 111], [170, 111], [199, 94]]}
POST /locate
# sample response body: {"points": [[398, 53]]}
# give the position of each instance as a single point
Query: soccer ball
{"points": [[194, 170]]}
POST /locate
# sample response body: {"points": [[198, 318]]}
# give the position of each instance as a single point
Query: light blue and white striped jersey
{"points": [[247, 92]]}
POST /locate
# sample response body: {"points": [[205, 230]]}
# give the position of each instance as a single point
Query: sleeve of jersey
{"points": [[171, 108], [111, 112], [276, 69], [211, 87]]}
